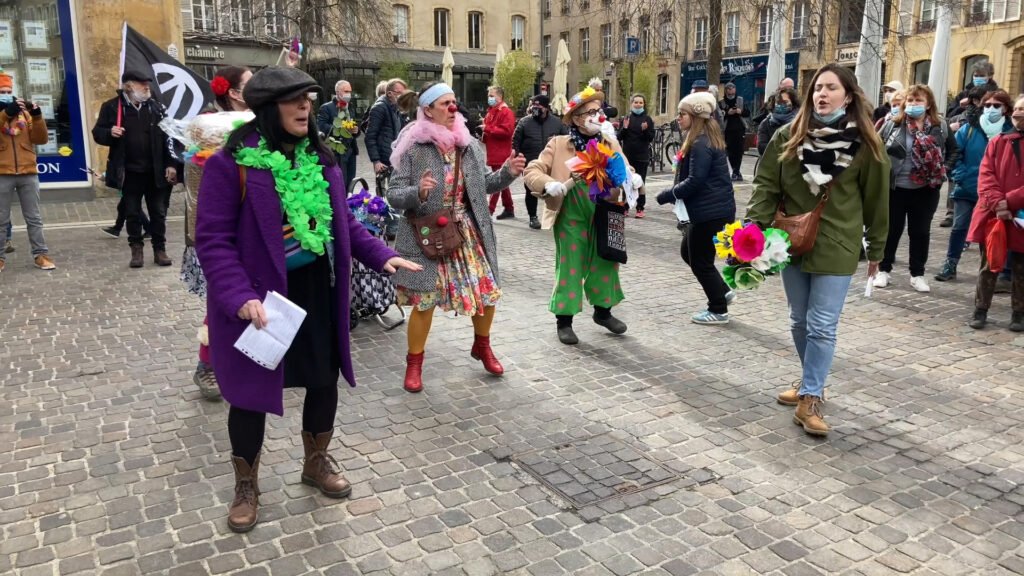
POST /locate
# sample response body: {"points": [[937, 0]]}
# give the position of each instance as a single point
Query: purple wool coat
{"points": [[241, 247]]}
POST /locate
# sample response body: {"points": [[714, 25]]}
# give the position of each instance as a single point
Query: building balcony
{"points": [[732, 49], [797, 42], [700, 54], [925, 26], [977, 18]]}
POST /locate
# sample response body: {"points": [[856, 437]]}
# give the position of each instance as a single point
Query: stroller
{"points": [[373, 294]]}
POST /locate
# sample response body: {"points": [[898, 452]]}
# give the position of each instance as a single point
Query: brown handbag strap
{"points": [[821, 203]]}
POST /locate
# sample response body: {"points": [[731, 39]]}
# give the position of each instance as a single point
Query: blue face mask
{"points": [[6, 98], [831, 116], [993, 114], [915, 111], [895, 111], [980, 80], [492, 101], [638, 111], [781, 109]]}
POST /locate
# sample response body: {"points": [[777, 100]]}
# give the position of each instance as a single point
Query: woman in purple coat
{"points": [[274, 217]]}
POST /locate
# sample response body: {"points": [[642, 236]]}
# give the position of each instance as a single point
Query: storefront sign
{"points": [[35, 35], [847, 55], [746, 72], [6, 40], [204, 53]]}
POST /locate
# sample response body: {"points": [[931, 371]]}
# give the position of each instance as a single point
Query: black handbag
{"points": [[610, 231]]}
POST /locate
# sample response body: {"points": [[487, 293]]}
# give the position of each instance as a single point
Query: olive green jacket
{"points": [[858, 199]]}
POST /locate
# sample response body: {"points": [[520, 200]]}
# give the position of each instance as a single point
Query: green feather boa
{"points": [[302, 188]]}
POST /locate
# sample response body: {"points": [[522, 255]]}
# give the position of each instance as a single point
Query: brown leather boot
{"points": [[160, 258], [790, 396], [319, 466], [244, 511], [137, 257], [808, 414]]}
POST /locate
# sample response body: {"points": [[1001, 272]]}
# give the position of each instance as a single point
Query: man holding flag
{"points": [[140, 163]]}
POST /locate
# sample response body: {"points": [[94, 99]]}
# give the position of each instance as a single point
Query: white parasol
{"points": [[447, 63], [562, 59]]}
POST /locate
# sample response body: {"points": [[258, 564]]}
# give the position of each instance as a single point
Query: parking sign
{"points": [[632, 46]]}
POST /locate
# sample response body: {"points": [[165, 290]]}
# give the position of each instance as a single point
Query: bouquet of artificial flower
{"points": [[751, 254], [603, 170], [372, 211]]}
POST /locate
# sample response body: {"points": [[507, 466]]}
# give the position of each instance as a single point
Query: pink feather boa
{"points": [[423, 130]]}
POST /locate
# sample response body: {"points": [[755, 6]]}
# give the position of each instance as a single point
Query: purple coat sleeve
{"points": [[220, 196]]}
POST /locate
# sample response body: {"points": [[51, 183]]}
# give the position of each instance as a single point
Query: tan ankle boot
{"points": [[244, 511], [319, 467], [808, 414], [790, 396]]}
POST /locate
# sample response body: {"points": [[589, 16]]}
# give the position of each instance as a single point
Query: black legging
{"points": [[734, 149], [698, 251], [246, 428], [531, 204]]}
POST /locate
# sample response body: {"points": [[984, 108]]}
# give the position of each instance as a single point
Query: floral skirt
{"points": [[465, 282]]}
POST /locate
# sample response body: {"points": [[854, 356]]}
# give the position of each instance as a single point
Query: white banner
{"points": [[35, 35], [45, 103], [6, 40], [38, 72]]}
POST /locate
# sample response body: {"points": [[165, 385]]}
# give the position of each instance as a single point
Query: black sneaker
{"points": [[9, 247], [112, 231], [534, 223], [1017, 322], [979, 319], [681, 226], [505, 215], [947, 222]]}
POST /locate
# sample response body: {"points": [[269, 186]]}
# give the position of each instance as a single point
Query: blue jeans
{"points": [[962, 211], [10, 231], [815, 302]]}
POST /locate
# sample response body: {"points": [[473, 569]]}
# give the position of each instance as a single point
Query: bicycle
{"points": [[673, 140]]}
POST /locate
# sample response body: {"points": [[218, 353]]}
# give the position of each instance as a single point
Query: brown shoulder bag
{"points": [[802, 228], [438, 233]]}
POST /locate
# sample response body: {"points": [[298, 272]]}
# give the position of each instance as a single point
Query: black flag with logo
{"points": [[183, 92]]}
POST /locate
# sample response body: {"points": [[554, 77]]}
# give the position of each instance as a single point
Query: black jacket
{"points": [[734, 122], [765, 131], [161, 145], [530, 136], [954, 108], [881, 112], [635, 140], [703, 183], [325, 124], [382, 130]]}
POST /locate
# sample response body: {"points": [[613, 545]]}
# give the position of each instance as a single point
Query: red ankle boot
{"points": [[482, 351], [413, 372]]}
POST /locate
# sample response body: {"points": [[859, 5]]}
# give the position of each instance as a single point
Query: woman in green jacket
{"points": [[830, 153]]}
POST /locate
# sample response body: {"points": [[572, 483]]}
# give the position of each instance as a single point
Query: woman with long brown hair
{"points": [[829, 154], [704, 184], [919, 148]]}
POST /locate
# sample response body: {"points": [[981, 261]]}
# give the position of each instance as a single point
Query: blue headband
{"points": [[435, 92]]}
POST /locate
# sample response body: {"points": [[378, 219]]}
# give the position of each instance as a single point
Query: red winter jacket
{"points": [[1001, 177], [499, 125]]}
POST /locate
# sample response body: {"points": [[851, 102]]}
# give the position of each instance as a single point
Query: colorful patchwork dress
{"points": [[465, 282]]}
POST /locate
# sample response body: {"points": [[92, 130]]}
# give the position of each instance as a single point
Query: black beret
{"points": [[277, 83], [136, 76]]}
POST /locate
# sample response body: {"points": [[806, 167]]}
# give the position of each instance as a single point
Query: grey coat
{"points": [[404, 196]]}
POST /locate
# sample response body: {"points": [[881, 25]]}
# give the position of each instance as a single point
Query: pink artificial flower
{"points": [[748, 242]]}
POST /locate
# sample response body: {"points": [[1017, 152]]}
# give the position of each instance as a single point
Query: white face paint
{"points": [[592, 126]]}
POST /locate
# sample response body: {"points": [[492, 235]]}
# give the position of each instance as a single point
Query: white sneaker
{"points": [[919, 284], [881, 280]]}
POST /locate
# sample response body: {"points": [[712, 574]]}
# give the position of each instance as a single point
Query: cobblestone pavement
{"points": [[658, 452]]}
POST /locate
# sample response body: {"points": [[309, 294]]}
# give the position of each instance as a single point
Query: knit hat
{"points": [[587, 95], [542, 100], [6, 81], [730, 85], [894, 85], [699, 84], [698, 104]]}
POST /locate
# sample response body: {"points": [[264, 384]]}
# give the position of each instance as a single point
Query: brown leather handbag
{"points": [[802, 228], [438, 233]]}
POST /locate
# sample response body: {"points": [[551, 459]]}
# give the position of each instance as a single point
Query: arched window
{"points": [[969, 63], [921, 71]]}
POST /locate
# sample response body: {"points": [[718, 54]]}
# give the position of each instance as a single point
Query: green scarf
{"points": [[302, 188]]}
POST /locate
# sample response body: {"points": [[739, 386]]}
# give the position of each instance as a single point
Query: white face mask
{"points": [[888, 97]]}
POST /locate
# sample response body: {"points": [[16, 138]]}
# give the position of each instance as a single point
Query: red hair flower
{"points": [[220, 85]]}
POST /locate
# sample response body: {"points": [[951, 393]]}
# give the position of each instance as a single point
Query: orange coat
{"points": [[18, 153]]}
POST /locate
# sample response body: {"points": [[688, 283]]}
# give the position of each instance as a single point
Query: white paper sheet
{"points": [[7, 52], [268, 346], [34, 35], [680, 210]]}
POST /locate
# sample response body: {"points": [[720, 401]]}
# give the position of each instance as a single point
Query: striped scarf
{"points": [[826, 152]]}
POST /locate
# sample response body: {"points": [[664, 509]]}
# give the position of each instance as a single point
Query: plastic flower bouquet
{"points": [[751, 254], [602, 169], [372, 211]]}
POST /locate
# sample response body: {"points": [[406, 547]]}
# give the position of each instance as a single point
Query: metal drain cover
{"points": [[594, 469]]}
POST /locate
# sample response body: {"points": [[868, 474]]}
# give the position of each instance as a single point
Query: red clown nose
{"points": [[601, 119], [453, 108]]}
